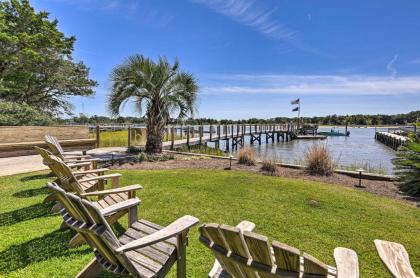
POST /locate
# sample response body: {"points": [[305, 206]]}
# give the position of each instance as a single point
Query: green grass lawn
{"points": [[31, 244]]}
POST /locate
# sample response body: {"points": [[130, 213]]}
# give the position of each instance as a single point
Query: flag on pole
{"points": [[296, 101], [295, 109]]}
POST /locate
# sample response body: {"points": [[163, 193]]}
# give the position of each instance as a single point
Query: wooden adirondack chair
{"points": [[88, 173], [395, 258], [58, 151], [144, 250], [46, 160], [241, 253], [89, 187]]}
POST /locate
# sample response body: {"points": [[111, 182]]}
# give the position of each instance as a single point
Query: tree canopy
{"points": [[158, 88], [36, 64]]}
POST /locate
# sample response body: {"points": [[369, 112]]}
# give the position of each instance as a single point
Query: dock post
{"points": [[200, 131], [129, 136], [188, 136], [218, 132], [211, 133], [193, 131], [172, 137], [97, 136]]}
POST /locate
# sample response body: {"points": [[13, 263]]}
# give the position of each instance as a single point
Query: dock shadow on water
{"points": [[52, 245]]}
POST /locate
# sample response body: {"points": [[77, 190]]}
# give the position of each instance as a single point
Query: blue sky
{"points": [[252, 57]]}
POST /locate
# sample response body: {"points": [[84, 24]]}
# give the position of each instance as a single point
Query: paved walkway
{"points": [[30, 163]]}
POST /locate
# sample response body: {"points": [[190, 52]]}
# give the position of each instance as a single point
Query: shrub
{"points": [[246, 156], [150, 157], [407, 166], [318, 160], [269, 166], [133, 150]]}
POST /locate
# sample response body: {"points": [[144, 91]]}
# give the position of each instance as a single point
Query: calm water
{"points": [[358, 150]]}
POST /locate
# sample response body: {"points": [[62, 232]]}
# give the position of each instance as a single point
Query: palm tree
{"points": [[159, 89]]}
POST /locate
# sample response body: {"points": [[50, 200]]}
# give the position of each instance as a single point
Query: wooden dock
{"points": [[390, 139], [234, 135]]}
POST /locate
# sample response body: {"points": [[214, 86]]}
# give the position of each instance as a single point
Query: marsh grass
{"points": [[246, 156], [120, 138], [201, 149], [318, 160], [269, 166]]}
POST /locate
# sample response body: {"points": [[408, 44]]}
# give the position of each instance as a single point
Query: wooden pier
{"points": [[234, 135], [390, 139]]}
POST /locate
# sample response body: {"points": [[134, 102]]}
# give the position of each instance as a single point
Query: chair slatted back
{"points": [[247, 254], [54, 146], [46, 158], [82, 216], [63, 172]]}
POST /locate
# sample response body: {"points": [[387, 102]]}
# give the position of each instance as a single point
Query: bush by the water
{"points": [[150, 157], [133, 150], [246, 156], [269, 166], [318, 160], [407, 166]]}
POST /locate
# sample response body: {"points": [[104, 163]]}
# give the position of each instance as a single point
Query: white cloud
{"points": [[391, 68], [415, 62], [310, 84], [249, 13]]}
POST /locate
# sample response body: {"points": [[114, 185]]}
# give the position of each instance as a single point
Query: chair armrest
{"points": [[76, 165], [246, 226], [94, 171], [81, 160], [104, 177], [395, 258], [70, 156], [120, 206], [177, 227], [113, 191], [347, 263]]}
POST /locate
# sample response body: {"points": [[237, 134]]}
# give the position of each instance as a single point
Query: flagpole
{"points": [[299, 115]]}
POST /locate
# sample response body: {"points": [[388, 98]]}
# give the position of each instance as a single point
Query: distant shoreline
{"points": [[361, 126]]}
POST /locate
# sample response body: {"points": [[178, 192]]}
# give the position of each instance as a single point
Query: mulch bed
{"points": [[384, 188]]}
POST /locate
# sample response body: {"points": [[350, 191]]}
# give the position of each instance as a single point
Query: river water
{"points": [[360, 149]]}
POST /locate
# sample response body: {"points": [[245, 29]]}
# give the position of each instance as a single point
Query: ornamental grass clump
{"points": [[269, 166], [247, 156], [318, 160]]}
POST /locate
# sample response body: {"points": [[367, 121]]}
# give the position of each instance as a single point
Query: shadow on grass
{"points": [[53, 245], [31, 192], [24, 214], [37, 177]]}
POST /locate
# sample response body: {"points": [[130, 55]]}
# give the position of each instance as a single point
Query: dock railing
{"points": [[135, 135]]}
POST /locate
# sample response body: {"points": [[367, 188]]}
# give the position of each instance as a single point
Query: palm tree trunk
{"points": [[154, 137]]}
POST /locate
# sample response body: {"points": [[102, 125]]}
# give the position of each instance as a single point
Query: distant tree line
{"points": [[380, 119]]}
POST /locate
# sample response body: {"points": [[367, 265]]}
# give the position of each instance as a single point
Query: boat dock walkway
{"points": [[390, 139]]}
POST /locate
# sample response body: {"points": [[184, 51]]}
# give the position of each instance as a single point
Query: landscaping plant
{"points": [[407, 166], [246, 156], [269, 166], [318, 160]]}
